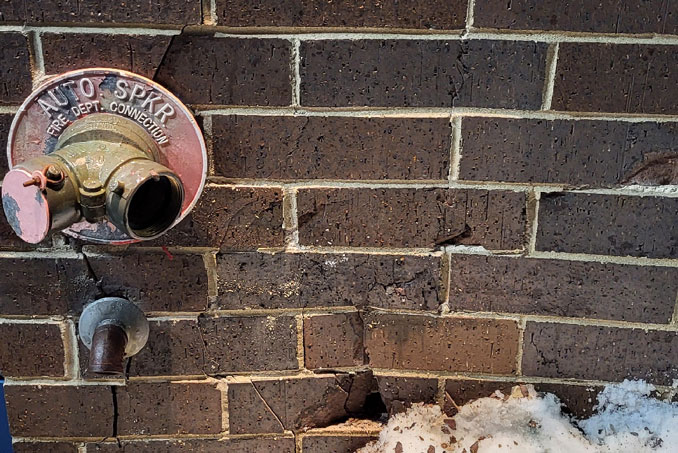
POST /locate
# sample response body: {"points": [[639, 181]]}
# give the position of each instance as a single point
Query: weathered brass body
{"points": [[107, 166]]}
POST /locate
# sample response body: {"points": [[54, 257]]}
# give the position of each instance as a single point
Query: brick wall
{"points": [[413, 200]]}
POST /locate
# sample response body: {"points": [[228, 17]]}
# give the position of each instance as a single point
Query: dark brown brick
{"points": [[137, 53], [267, 445], [154, 12], [174, 348], [256, 71], [607, 16], [269, 406], [44, 447], [168, 408], [15, 69], [411, 218], [249, 343], [616, 78], [334, 340], [425, 73], [563, 288], [578, 152], [398, 393], [59, 411], [283, 280], [242, 218], [5, 123], [415, 14], [63, 286], [287, 147], [608, 225], [334, 444], [153, 280], [417, 342], [31, 350], [577, 400], [602, 353]]}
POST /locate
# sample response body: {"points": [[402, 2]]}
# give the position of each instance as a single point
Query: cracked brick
{"points": [[399, 393]]}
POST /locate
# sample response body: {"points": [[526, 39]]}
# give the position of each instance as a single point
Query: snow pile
{"points": [[627, 420]]}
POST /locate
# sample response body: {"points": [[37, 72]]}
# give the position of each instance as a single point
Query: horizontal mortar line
{"points": [[44, 253], [8, 109], [396, 251], [104, 30], [62, 383], [668, 191], [117, 250], [150, 438], [428, 112], [604, 259], [259, 312], [342, 431], [30, 319]]}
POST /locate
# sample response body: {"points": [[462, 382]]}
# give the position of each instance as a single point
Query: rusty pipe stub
{"points": [[112, 329], [106, 155]]}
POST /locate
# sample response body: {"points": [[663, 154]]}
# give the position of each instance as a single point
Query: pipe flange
{"points": [[166, 122], [118, 311]]}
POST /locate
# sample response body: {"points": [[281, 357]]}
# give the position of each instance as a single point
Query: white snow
{"points": [[627, 420]]}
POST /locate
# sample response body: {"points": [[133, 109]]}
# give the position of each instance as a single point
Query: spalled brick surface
{"points": [[44, 447], [258, 280], [256, 71], [61, 411], [91, 11], [15, 71], [417, 342], [563, 288], [270, 406], [249, 343], [608, 225], [616, 78], [415, 14], [64, 286], [140, 54], [411, 218], [413, 73], [168, 408], [592, 352], [265, 445], [227, 218], [334, 444], [607, 16], [331, 147], [39, 345], [154, 281], [582, 152], [398, 393], [333, 340]]}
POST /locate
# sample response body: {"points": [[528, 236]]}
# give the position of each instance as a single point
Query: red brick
{"points": [[59, 411], [44, 447], [242, 218], [271, 406], [31, 350], [411, 218], [600, 353], [202, 69], [416, 342], [426, 73], [287, 147], [249, 343], [577, 152], [168, 408], [334, 444], [92, 11], [284, 280], [153, 280], [563, 288], [15, 69], [616, 78], [334, 340], [415, 14], [606, 16], [63, 286], [608, 225], [257, 445], [398, 393], [137, 53]]}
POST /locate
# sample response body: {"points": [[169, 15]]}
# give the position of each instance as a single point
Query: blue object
{"points": [[5, 438]]}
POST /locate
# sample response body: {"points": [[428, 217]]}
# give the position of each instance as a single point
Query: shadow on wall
{"points": [[5, 438]]}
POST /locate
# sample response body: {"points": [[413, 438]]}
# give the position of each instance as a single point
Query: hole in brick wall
{"points": [[374, 407]]}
